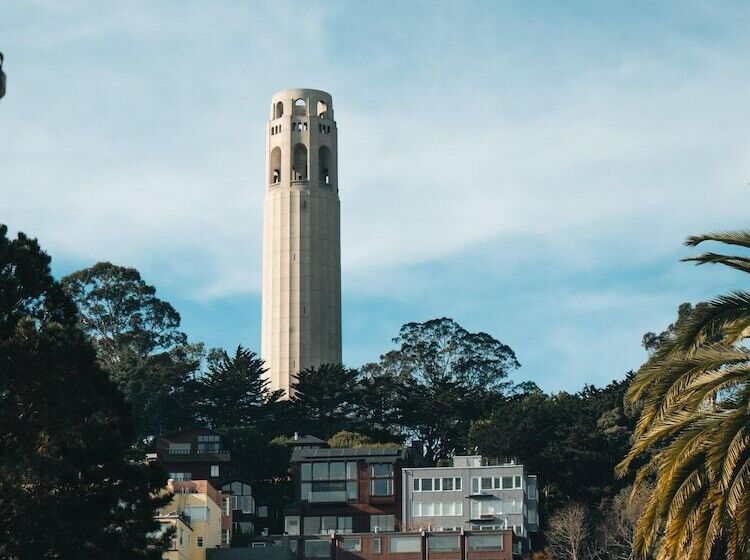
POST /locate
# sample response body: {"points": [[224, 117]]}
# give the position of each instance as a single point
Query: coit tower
{"points": [[301, 240]]}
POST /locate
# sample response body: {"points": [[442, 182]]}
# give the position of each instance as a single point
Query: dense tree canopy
{"points": [[66, 487]]}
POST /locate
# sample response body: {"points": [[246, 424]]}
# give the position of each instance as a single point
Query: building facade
{"points": [[200, 518], [195, 454], [301, 309], [471, 495], [344, 490], [485, 545], [242, 504]]}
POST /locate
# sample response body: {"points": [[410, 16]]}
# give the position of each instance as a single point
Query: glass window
{"points": [[457, 483], [214, 470], [344, 525], [475, 485], [352, 543], [447, 484], [317, 549], [497, 483], [517, 481], [416, 485], [486, 483], [328, 524], [507, 482], [376, 545], [351, 470], [320, 471], [382, 523], [382, 487], [306, 470], [428, 508], [436, 482], [405, 544], [426, 485], [311, 525], [262, 511], [338, 471], [351, 491], [485, 542], [381, 470], [442, 544]]}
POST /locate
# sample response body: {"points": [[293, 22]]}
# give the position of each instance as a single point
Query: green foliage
{"points": [[694, 395], [138, 343], [66, 488]]}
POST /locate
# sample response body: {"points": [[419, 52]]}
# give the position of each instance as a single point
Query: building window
{"points": [[376, 545], [198, 513], [517, 482], [353, 544], [214, 470], [382, 523], [485, 542], [442, 544], [437, 484], [405, 544], [507, 482], [328, 524], [208, 444], [329, 482], [199, 542], [226, 503], [382, 479], [262, 511], [317, 549], [226, 537], [181, 476]]}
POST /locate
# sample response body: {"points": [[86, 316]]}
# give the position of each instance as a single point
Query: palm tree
{"points": [[693, 435]]}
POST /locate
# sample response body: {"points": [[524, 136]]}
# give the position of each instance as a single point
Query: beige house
{"points": [[200, 517]]}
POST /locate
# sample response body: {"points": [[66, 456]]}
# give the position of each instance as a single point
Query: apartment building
{"points": [[194, 454], [472, 495], [343, 490], [242, 503], [484, 545]]}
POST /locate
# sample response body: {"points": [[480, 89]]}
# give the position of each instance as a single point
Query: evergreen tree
{"points": [[66, 487], [324, 398]]}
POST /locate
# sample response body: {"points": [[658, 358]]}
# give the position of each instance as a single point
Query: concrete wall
{"points": [[301, 325]]}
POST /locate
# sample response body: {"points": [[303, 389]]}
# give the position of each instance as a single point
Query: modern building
{"points": [[472, 495], [200, 517], [194, 454], [344, 490], [301, 325], [242, 504], [485, 545]]}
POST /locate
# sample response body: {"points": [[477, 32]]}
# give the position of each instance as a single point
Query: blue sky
{"points": [[527, 168]]}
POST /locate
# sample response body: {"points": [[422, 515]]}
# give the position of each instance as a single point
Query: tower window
{"points": [[299, 167], [324, 163], [300, 107], [322, 109], [279, 110], [274, 165]]}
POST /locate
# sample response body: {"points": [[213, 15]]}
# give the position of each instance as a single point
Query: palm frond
{"points": [[732, 237]]}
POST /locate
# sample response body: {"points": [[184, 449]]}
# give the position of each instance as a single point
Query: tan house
{"points": [[201, 518]]}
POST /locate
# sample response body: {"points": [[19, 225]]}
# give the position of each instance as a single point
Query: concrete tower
{"points": [[301, 239]]}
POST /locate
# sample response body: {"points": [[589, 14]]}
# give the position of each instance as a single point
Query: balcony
{"points": [[194, 454]]}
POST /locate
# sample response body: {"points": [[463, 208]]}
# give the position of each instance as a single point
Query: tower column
{"points": [[301, 324]]}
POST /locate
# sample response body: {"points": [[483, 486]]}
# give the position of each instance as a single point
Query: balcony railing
{"points": [[327, 497]]}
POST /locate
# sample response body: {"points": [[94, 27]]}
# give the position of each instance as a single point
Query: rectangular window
{"points": [[426, 485], [457, 483], [344, 524], [486, 483], [338, 471], [442, 544], [474, 485], [416, 484], [381, 470], [199, 542], [317, 549], [382, 487], [497, 483], [320, 471], [507, 482], [306, 471], [353, 544], [226, 502], [405, 544], [447, 484], [517, 481], [485, 542], [262, 511], [328, 524], [311, 526], [436, 484], [376, 545], [382, 523]]}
